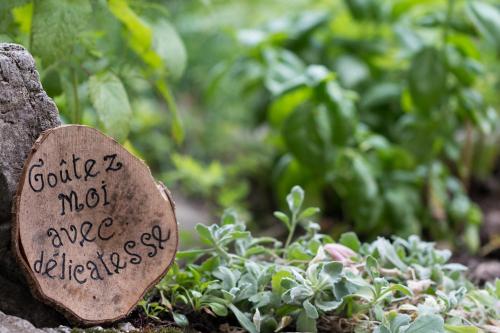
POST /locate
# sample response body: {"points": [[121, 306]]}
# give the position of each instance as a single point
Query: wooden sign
{"points": [[93, 230]]}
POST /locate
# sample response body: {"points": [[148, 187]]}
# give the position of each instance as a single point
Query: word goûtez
{"points": [[72, 170]]}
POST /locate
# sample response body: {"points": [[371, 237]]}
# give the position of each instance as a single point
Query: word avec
{"points": [[60, 266]]}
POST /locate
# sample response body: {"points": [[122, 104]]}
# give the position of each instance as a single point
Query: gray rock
{"points": [[487, 270], [119, 328], [126, 327], [59, 329], [25, 112], [11, 324]]}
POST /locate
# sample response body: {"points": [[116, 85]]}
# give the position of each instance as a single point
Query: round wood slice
{"points": [[92, 229]]}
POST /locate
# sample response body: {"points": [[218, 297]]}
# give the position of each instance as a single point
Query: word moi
{"points": [[76, 169], [61, 267]]}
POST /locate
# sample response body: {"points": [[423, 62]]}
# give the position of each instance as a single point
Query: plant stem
{"points": [[449, 11], [222, 252], [76, 103], [188, 252], [293, 224], [30, 41], [165, 92], [467, 154]]}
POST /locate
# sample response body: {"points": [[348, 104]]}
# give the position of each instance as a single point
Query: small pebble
{"points": [[126, 327]]}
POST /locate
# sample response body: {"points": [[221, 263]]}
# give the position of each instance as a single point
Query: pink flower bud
{"points": [[339, 252]]}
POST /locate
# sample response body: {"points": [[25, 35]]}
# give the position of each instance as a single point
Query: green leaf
{"points": [[333, 270], [326, 305], [180, 319], [56, 27], [381, 94], [283, 218], [219, 309], [295, 199], [306, 134], [402, 203], [285, 104], [205, 234], [427, 324], [23, 16], [227, 296], [356, 184], [387, 251], [398, 321], [369, 10], [341, 114], [285, 71], [401, 288], [308, 212], [287, 282], [210, 264], [140, 35], [228, 277], [7, 20], [486, 18], [427, 79], [372, 267], [230, 216], [243, 319], [351, 70], [299, 293], [306, 324], [311, 311], [301, 26], [110, 100], [351, 240], [461, 329], [262, 299], [471, 237], [297, 252], [276, 281], [169, 46]]}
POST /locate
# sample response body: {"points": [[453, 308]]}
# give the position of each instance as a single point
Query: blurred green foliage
{"points": [[106, 63], [383, 110]]}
